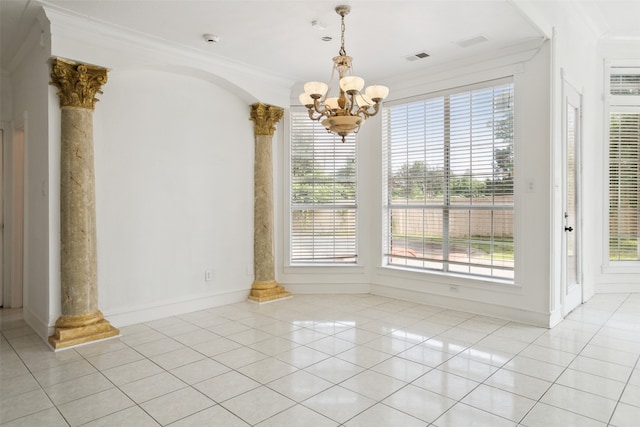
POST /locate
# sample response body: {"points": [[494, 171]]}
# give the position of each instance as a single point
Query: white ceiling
{"points": [[277, 36]]}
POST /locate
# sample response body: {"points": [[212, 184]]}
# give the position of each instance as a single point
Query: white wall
{"points": [[6, 97], [30, 89], [580, 53], [572, 39], [174, 193], [573, 67]]}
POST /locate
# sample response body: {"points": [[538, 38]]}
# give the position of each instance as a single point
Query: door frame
{"points": [[571, 295], [14, 204]]}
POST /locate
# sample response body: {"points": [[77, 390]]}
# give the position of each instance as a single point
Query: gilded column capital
{"points": [[77, 83], [265, 117]]}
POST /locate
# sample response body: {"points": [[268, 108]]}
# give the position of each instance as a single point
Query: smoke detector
{"points": [[211, 38]]}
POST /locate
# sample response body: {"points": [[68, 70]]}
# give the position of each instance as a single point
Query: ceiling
{"points": [[277, 37]]}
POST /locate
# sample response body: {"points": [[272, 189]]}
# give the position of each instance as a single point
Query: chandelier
{"points": [[342, 114]]}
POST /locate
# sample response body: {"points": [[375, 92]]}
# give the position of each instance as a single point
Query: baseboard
{"points": [[327, 288], [485, 309], [555, 318], [146, 313], [617, 288], [40, 327]]}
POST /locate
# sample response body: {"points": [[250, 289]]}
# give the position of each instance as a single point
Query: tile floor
{"points": [[348, 360]]}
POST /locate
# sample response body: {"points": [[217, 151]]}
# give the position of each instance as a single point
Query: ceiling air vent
{"points": [[471, 41], [416, 56]]}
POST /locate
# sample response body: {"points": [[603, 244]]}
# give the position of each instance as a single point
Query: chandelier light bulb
{"points": [[315, 89], [377, 92], [306, 99], [364, 100], [331, 103], [351, 84]]}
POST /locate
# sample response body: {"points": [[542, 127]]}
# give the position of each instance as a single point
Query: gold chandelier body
{"points": [[345, 113]]}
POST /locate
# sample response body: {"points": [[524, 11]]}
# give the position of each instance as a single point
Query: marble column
{"points": [[264, 288], [81, 321]]}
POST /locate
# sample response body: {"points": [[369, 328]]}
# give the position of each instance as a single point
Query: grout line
{"points": [[630, 375], [567, 367], [30, 372], [399, 321]]}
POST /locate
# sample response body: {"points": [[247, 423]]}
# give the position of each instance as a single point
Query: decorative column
{"points": [[81, 321], [264, 288]]}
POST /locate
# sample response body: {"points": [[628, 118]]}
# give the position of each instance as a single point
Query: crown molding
{"points": [[86, 39], [508, 60]]}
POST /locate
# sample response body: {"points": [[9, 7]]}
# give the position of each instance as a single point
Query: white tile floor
{"points": [[352, 360]]}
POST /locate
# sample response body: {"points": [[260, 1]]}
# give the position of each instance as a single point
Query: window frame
{"points": [[290, 265], [386, 229], [615, 104]]}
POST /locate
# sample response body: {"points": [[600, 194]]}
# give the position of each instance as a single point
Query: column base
{"points": [[74, 330], [267, 291]]}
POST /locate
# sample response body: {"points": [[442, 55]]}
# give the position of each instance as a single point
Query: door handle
{"points": [[569, 229]]}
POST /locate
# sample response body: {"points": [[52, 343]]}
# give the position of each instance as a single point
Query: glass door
{"points": [[571, 288]]}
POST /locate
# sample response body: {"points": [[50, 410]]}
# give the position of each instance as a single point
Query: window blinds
{"points": [[625, 84], [624, 162], [624, 182], [323, 194], [449, 167]]}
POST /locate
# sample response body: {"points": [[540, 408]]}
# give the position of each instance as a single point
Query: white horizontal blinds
{"points": [[622, 83], [416, 153], [323, 194], [416, 182], [624, 183], [449, 165]]}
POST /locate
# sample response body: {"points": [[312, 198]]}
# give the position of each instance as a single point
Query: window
{"points": [[449, 167], [625, 84], [323, 194], [624, 164]]}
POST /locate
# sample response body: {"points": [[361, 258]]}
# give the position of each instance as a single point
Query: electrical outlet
{"points": [[531, 186], [208, 275], [454, 288]]}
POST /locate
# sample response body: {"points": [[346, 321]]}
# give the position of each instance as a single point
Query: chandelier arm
{"points": [[323, 113], [366, 112], [352, 104], [311, 116]]}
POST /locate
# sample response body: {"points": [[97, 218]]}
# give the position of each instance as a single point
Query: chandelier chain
{"points": [[342, 28]]}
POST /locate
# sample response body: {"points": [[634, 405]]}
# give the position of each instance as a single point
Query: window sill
{"points": [[324, 269], [621, 267], [452, 279]]}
